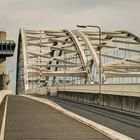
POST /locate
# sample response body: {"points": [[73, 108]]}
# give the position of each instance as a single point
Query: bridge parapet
{"points": [[4, 93], [3, 108], [132, 90], [112, 89], [123, 97], [42, 91]]}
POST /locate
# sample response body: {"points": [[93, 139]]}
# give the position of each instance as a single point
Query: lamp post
{"points": [[100, 71], [64, 71]]}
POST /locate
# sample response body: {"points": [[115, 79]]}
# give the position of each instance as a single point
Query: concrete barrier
{"points": [[110, 89], [124, 103], [41, 91], [124, 97], [132, 90], [4, 93]]}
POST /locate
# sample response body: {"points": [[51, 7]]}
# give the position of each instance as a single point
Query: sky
{"points": [[110, 15]]}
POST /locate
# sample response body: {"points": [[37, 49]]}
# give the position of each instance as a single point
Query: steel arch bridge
{"points": [[50, 57]]}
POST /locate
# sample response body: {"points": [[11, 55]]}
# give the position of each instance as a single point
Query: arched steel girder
{"points": [[30, 43], [93, 53], [80, 53], [122, 48], [82, 56], [136, 38], [22, 46]]}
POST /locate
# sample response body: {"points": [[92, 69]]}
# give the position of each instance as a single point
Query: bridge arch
{"points": [[51, 57]]}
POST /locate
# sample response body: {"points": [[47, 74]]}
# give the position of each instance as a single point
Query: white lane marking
{"points": [[114, 135]]}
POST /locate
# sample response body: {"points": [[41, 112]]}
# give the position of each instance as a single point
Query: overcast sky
{"points": [[110, 15], [57, 14]]}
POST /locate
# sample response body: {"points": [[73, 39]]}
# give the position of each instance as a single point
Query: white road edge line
{"points": [[2, 131], [114, 135]]}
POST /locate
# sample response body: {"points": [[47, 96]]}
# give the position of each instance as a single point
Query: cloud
{"points": [[109, 14]]}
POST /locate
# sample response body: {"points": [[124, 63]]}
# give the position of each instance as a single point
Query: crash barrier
{"points": [[4, 93], [3, 108], [123, 97]]}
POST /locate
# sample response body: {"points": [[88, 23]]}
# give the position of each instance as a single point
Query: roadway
{"points": [[123, 122], [27, 119]]}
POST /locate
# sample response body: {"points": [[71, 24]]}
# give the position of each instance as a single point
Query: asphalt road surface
{"points": [[31, 120], [123, 122]]}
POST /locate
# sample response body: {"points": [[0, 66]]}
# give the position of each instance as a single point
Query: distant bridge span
{"points": [[65, 57]]}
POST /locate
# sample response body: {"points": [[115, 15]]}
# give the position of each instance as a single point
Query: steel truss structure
{"points": [[72, 57]]}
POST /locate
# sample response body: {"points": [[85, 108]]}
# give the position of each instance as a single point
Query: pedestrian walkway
{"points": [[31, 120]]}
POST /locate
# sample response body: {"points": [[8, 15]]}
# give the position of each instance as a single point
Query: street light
{"points": [[100, 72]]}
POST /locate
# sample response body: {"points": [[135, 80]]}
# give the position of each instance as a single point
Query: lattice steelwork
{"points": [[72, 57], [120, 57]]}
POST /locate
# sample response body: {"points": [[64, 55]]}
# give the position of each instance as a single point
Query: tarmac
{"points": [[30, 120]]}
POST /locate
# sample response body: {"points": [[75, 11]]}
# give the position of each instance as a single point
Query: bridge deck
{"points": [[28, 119]]}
